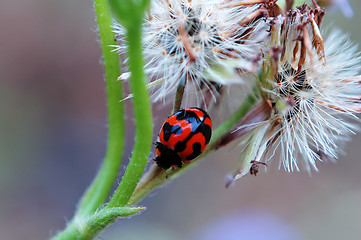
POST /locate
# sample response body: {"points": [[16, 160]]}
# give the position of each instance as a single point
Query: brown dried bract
{"points": [[318, 42], [275, 53], [247, 20], [289, 4], [306, 41]]}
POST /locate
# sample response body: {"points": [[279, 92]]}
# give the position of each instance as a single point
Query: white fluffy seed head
{"points": [[314, 93], [200, 41], [314, 89]]}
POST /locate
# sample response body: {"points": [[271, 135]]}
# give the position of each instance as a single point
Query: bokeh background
{"points": [[53, 137]]}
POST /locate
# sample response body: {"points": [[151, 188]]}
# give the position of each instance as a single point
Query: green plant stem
{"points": [[93, 224], [156, 176], [97, 193], [99, 190], [143, 120], [69, 233]]}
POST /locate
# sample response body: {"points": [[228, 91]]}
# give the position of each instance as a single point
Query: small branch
{"points": [[179, 95], [154, 177], [258, 114]]}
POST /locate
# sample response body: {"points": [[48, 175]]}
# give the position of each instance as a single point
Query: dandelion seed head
{"points": [[314, 89], [311, 97], [200, 41]]}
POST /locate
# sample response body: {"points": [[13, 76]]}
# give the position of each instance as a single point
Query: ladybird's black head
{"points": [[167, 157]]}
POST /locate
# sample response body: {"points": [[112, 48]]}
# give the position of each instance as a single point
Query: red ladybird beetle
{"points": [[183, 137]]}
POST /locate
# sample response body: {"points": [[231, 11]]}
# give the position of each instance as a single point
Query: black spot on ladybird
{"points": [[196, 151]]}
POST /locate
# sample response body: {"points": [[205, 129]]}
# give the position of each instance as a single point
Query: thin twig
{"points": [[179, 94]]}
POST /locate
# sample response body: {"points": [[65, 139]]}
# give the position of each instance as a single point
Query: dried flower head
{"points": [[198, 42], [312, 89]]}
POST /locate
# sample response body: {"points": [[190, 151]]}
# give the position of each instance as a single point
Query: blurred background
{"points": [[53, 137]]}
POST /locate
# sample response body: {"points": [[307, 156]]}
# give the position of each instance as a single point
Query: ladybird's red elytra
{"points": [[183, 137]]}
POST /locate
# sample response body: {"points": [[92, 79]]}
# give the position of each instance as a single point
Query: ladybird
{"points": [[183, 137]]}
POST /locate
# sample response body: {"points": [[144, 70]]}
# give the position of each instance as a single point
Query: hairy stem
{"points": [[89, 227], [69, 233], [97, 193], [99, 190], [143, 120]]}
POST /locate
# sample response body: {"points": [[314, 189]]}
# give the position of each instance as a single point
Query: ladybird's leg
{"points": [[255, 166], [178, 162]]}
